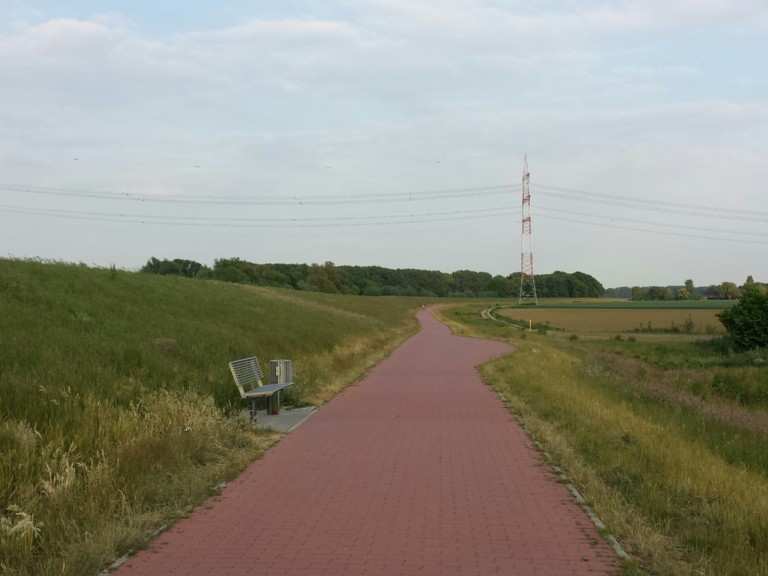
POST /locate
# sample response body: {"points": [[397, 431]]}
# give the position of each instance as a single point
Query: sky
{"points": [[389, 133]]}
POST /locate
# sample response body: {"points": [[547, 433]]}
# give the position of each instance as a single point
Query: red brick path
{"points": [[418, 469]]}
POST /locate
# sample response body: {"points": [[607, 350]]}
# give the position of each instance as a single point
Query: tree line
{"points": [[377, 280], [687, 291]]}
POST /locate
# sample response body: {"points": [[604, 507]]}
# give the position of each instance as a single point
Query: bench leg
{"points": [[252, 409], [273, 403]]}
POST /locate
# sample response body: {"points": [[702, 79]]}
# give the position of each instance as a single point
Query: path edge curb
{"points": [[563, 477]]}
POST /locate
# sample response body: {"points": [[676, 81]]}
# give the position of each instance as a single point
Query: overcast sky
{"points": [[662, 101]]}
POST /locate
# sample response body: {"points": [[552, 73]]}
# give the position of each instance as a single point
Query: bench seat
{"points": [[266, 390]]}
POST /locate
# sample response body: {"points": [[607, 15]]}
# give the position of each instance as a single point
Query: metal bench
{"points": [[249, 377]]}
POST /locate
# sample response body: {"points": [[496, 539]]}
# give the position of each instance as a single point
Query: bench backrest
{"points": [[247, 374]]}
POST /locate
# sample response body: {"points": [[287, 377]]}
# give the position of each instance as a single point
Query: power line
{"points": [[415, 218], [230, 219], [389, 219], [717, 210], [362, 221], [664, 210], [438, 193], [268, 200], [548, 209], [398, 197], [663, 232]]}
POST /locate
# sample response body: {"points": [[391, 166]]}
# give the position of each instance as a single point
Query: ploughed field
{"points": [[610, 319]]}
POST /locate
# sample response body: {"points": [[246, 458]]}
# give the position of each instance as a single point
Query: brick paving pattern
{"points": [[418, 469]]}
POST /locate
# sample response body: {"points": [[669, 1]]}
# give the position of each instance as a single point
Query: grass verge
{"points": [[684, 491]]}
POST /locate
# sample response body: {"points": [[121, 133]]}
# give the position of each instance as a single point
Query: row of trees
{"points": [[376, 280], [723, 291]]}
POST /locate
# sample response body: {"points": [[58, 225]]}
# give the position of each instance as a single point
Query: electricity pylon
{"points": [[527, 279]]}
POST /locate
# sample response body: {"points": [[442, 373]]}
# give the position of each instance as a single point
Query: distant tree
{"points": [[712, 291], [657, 293], [728, 291], [205, 273], [618, 292], [175, 267], [639, 293], [682, 294], [470, 282], [152, 266], [747, 321], [691, 289], [750, 283], [330, 272], [376, 280], [500, 286], [371, 289], [230, 270], [318, 278]]}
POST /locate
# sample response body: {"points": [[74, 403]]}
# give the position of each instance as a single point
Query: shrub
{"points": [[747, 321], [573, 337]]}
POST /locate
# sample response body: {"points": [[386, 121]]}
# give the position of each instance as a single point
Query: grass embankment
{"points": [[117, 410], [684, 485]]}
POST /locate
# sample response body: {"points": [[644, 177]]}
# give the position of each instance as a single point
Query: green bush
{"points": [[747, 321]]}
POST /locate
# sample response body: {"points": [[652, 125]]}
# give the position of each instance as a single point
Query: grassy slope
{"points": [[116, 401], [683, 488]]}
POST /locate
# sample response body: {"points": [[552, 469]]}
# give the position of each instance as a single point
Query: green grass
{"points": [[117, 410], [684, 485], [708, 368], [688, 354]]}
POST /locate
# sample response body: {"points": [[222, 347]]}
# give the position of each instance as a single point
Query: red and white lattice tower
{"points": [[527, 279]]}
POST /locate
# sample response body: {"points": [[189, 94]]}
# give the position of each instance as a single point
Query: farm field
{"points": [[628, 304], [665, 438], [609, 319], [116, 403]]}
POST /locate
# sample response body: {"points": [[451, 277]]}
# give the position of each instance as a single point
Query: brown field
{"points": [[618, 320]]}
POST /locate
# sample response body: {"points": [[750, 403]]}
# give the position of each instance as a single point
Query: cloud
{"points": [[393, 95], [466, 17], [266, 30]]}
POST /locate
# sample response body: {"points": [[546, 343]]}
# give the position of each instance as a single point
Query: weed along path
{"points": [[418, 469]]}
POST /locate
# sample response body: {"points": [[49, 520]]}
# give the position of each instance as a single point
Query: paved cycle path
{"points": [[417, 469]]}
